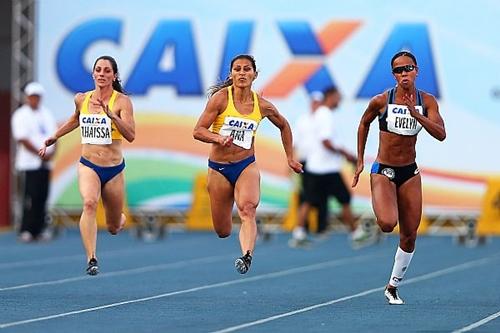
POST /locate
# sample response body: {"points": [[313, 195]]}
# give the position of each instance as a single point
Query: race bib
{"points": [[400, 121], [95, 129], [240, 129]]}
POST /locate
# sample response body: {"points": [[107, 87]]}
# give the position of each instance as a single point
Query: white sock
{"points": [[402, 260]]}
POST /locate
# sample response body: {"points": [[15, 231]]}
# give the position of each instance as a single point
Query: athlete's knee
{"points": [[223, 233], [90, 205], [115, 225], [387, 225], [247, 210]]}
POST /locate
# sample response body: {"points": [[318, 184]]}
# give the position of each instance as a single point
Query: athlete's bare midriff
{"points": [[229, 154], [396, 150], [104, 155]]}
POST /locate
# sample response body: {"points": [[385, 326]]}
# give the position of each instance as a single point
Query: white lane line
{"points": [[478, 323], [139, 270], [40, 262], [81, 257], [423, 277], [301, 269], [114, 253]]}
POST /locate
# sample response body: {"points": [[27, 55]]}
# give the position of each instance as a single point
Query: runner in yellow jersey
{"points": [[233, 113], [105, 116]]}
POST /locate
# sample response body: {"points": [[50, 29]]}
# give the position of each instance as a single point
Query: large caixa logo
{"points": [[305, 68]]}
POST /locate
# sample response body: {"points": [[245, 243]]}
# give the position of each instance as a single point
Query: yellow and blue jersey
{"points": [[241, 127]]}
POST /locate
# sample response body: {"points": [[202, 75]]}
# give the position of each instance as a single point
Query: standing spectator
{"points": [[305, 132], [31, 123], [324, 160]]}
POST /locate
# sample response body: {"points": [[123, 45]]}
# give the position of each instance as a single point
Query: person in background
{"points": [[31, 123], [395, 180], [323, 165], [304, 130], [233, 112], [105, 117]]}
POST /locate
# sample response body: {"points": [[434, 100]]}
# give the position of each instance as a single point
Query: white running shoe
{"points": [[25, 237], [299, 233], [299, 243], [392, 296], [362, 237]]}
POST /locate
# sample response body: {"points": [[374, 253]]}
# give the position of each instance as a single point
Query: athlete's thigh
{"points": [[89, 183], [247, 189], [410, 204], [113, 197], [384, 198], [221, 194]]}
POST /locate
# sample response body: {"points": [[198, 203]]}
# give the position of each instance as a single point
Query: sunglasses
{"points": [[401, 69]]}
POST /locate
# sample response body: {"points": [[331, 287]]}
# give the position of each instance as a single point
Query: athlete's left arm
{"points": [[123, 118], [433, 123], [268, 110]]}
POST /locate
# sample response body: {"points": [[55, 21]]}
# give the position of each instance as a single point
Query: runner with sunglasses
{"points": [[395, 178]]}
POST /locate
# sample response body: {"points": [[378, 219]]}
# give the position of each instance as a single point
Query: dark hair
{"points": [[229, 81], [329, 90], [403, 54], [117, 83]]}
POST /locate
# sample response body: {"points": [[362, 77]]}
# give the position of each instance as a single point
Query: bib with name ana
{"points": [[241, 127]]}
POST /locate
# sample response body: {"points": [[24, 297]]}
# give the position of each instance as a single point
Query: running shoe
{"points": [[92, 268], [299, 243], [362, 237], [242, 264], [25, 237], [392, 296]]}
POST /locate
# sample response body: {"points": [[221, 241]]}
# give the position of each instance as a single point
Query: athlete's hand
{"points": [[409, 101], [226, 141], [49, 142], [42, 152], [106, 109], [295, 166], [359, 169]]}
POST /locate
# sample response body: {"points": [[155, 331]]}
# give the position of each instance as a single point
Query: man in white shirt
{"points": [[31, 124], [304, 138], [323, 164]]}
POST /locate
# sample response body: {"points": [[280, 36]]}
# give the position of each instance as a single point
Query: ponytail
{"points": [[218, 86]]}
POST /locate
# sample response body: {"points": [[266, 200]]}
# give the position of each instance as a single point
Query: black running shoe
{"points": [[242, 264], [92, 268], [392, 296]]}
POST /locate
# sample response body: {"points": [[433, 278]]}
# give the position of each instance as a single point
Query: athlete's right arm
{"points": [[371, 112], [215, 105], [70, 124]]}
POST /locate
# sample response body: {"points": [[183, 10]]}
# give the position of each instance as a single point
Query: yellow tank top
{"points": [[97, 128], [241, 127]]}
